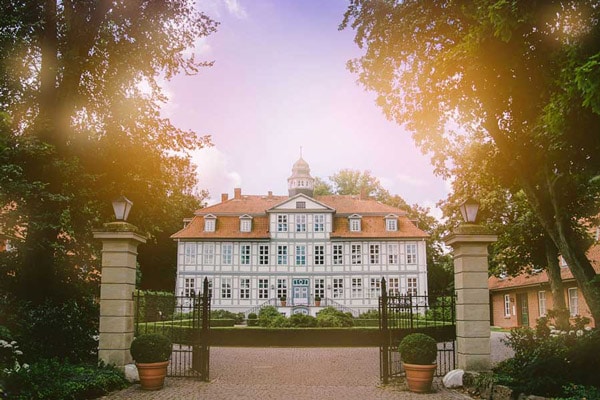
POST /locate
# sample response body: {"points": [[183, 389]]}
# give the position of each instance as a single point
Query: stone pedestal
{"points": [[119, 257], [470, 244]]}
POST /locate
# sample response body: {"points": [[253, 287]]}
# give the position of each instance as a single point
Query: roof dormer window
{"points": [[245, 223], [355, 223], [391, 223], [210, 222]]}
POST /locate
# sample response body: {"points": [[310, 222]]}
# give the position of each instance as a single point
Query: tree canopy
{"points": [[81, 124], [498, 87]]}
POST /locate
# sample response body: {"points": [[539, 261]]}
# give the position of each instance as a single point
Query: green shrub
{"points": [[66, 330], [578, 392], [266, 315], [224, 314], [418, 348], [545, 362], [216, 323], [150, 348], [366, 322], [53, 380], [371, 314], [154, 306], [331, 317], [252, 319], [302, 321]]}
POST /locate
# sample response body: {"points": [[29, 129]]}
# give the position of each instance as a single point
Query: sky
{"points": [[280, 83]]}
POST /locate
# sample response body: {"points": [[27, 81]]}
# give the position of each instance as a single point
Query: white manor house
{"points": [[314, 251]]}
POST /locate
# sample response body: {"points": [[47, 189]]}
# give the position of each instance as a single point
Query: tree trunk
{"points": [[561, 314]]}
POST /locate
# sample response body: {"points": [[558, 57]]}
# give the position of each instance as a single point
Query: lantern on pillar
{"points": [[121, 206], [469, 210]]}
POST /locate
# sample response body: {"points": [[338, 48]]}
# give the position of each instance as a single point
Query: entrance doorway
{"points": [[300, 291], [522, 309]]}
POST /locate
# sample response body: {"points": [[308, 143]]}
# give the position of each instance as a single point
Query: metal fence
{"points": [[402, 314], [183, 319]]}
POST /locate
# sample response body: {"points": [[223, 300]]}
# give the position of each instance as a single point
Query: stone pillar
{"points": [[119, 257], [470, 244]]}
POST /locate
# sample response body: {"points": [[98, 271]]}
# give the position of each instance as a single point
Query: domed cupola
{"points": [[301, 181]]}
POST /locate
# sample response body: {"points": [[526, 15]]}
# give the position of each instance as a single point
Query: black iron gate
{"points": [[183, 319], [400, 315]]}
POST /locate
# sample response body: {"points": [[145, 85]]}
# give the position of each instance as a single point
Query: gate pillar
{"points": [[470, 243], [119, 256]]}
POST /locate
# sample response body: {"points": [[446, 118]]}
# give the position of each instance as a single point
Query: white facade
{"points": [[301, 248]]}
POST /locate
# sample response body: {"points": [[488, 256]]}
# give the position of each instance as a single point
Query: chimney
{"points": [[224, 197], [363, 194], [270, 194], [237, 193]]}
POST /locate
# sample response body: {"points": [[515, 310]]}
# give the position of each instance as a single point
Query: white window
{"points": [[338, 254], [263, 254], [301, 255], [411, 253], [374, 253], [355, 225], [300, 222], [190, 253], [244, 288], [226, 288], [319, 223], [338, 288], [391, 224], [209, 224], [300, 204], [281, 288], [282, 223], [320, 288], [189, 287], [227, 256], [209, 253], [263, 288], [393, 253], [319, 254], [542, 303], [573, 301], [245, 254], [357, 288], [282, 255], [356, 253], [394, 287], [375, 288], [411, 286], [507, 305], [245, 224]]}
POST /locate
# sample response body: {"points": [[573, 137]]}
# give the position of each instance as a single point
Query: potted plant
{"points": [[283, 301], [151, 352], [317, 301], [418, 353]]}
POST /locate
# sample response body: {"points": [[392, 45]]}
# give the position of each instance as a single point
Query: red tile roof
{"points": [[229, 211], [534, 279]]}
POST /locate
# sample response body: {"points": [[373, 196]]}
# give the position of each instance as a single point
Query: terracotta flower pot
{"points": [[419, 377], [152, 375]]}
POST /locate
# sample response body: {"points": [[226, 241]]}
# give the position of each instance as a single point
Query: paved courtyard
{"points": [[292, 373]]}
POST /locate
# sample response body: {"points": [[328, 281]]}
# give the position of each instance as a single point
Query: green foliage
{"points": [[150, 348], [331, 317], [55, 380], [67, 330], [267, 316], [302, 321], [154, 306], [547, 361], [441, 309], [371, 314], [418, 348], [580, 392], [224, 314], [252, 319]]}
